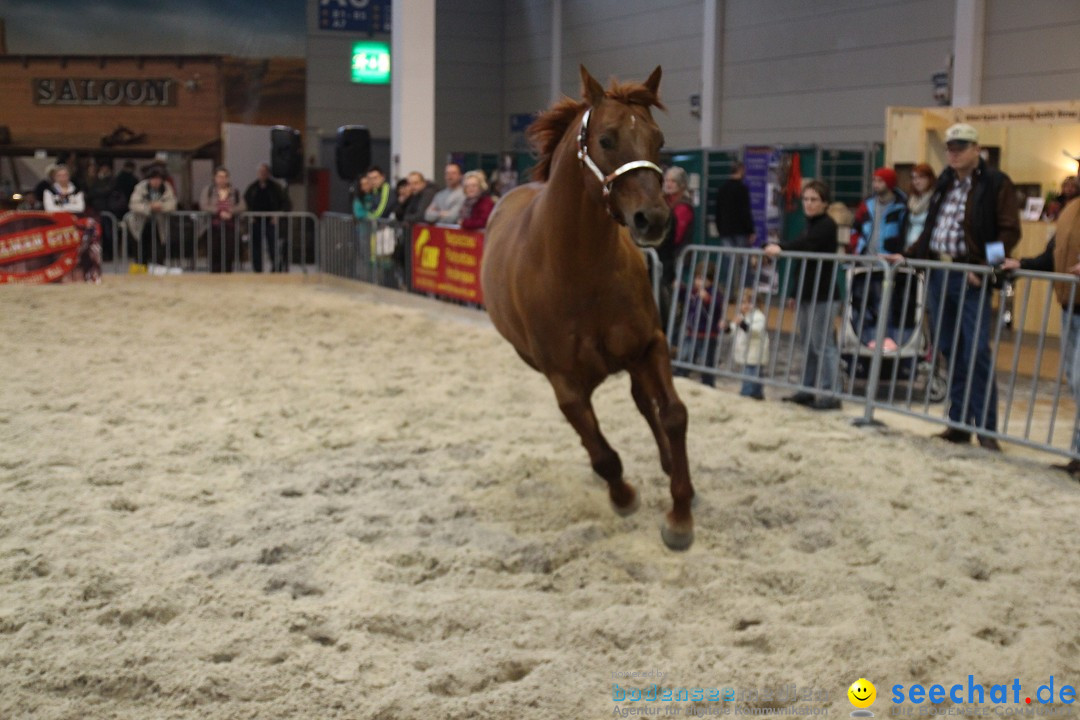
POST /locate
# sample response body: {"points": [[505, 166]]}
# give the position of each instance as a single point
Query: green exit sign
{"points": [[371, 63]]}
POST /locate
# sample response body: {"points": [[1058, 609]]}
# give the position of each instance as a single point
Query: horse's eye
{"points": [[607, 142]]}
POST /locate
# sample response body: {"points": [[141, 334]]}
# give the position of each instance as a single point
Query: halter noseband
{"points": [[607, 181]]}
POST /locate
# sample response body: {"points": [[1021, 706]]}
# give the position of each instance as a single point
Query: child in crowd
{"points": [[702, 324], [751, 344]]}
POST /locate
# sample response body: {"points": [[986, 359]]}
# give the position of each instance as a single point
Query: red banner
{"points": [[37, 247], [446, 261]]}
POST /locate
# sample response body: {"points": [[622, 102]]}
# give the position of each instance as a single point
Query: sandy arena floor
{"points": [[248, 498]]}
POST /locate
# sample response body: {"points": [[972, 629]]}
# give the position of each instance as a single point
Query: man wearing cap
{"points": [[974, 218]]}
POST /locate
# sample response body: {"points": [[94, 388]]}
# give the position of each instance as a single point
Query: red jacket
{"points": [[477, 219]]}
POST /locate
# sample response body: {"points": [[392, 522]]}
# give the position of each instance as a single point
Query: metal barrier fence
{"points": [[857, 329], [932, 340], [379, 251], [195, 241], [373, 251]]}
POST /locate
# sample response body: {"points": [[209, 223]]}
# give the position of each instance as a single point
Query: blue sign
{"points": [[520, 121], [365, 16], [756, 161]]}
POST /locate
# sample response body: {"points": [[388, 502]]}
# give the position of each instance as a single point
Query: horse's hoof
{"points": [[629, 509], [676, 539]]}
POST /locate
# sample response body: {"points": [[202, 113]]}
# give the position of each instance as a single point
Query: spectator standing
{"points": [[45, 184], [751, 344], [225, 204], [402, 193], [265, 195], [1062, 255], [63, 195], [703, 323], [163, 168], [1070, 188], [123, 187], [379, 200], [505, 177], [445, 207], [734, 221], [880, 226], [360, 197], [422, 192], [974, 218], [149, 202], [478, 203], [100, 188], [817, 303], [923, 179], [99, 195], [677, 195]]}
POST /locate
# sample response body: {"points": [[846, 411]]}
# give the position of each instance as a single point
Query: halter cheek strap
{"points": [[607, 181]]}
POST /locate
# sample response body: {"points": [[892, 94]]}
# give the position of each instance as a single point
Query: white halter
{"points": [[607, 180]]}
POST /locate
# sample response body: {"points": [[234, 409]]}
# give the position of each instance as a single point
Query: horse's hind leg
{"points": [[678, 528], [577, 407], [644, 391]]}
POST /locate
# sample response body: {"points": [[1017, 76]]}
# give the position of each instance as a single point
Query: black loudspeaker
{"points": [[286, 160], [353, 152]]}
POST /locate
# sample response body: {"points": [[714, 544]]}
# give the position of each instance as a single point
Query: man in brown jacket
{"points": [[974, 218], [1062, 255]]}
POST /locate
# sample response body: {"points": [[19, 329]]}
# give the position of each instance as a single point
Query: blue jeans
{"points": [[700, 351], [728, 261], [817, 337], [1070, 356], [961, 322], [749, 387], [263, 228]]}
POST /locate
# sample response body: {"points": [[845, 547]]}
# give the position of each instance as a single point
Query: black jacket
{"points": [[733, 209], [819, 237], [992, 213], [268, 198], [418, 203]]}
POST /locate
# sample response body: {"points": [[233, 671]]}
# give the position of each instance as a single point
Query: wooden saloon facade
{"points": [[117, 106]]}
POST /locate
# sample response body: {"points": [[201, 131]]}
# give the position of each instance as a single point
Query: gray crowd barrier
{"points": [[372, 251], [191, 241], [378, 251], [887, 337]]}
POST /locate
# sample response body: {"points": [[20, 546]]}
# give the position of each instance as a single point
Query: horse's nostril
{"points": [[640, 221]]}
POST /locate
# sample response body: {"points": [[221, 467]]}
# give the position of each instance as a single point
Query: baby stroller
{"points": [[907, 354]]}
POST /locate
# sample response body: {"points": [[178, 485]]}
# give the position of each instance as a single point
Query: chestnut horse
{"points": [[564, 283]]}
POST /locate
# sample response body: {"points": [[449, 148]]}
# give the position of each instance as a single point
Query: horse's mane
{"points": [[548, 129]]}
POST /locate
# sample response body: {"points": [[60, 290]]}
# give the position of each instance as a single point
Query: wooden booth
{"points": [[112, 106], [144, 106], [1030, 142]]}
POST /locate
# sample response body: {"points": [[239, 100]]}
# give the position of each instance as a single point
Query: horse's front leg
{"points": [[655, 373], [576, 405], [644, 390]]}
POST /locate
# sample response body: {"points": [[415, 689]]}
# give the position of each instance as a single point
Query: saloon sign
{"points": [[145, 92]]}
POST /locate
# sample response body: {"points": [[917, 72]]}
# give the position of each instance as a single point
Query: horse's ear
{"points": [[591, 91], [653, 83]]}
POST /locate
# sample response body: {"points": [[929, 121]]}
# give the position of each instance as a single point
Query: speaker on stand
{"points": [[286, 158], [353, 151]]}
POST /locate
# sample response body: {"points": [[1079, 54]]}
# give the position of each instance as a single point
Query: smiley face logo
{"points": [[862, 693]]}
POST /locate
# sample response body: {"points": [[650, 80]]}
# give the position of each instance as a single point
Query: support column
{"points": [[412, 88], [712, 73], [968, 52], [556, 51]]}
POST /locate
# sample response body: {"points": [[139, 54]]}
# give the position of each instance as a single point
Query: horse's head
{"points": [[619, 146]]}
